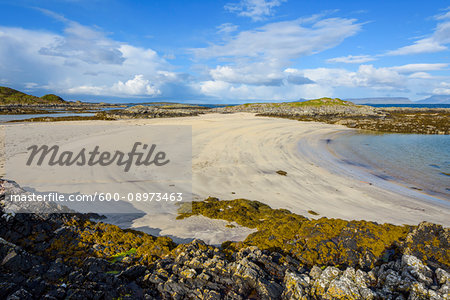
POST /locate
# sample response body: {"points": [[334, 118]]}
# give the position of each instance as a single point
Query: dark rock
{"points": [[21, 294], [133, 272]]}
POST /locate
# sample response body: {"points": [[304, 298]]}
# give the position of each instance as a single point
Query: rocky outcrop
{"points": [[68, 256], [199, 271], [335, 111], [157, 111], [320, 107]]}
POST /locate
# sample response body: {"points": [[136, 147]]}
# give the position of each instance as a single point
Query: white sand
{"points": [[240, 153]]}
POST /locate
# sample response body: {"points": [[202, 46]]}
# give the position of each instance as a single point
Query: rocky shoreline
{"points": [[331, 111], [327, 110], [68, 256], [335, 111]]}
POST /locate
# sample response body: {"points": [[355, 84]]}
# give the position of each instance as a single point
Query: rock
{"points": [[57, 270], [326, 277], [430, 243], [296, 286], [6, 288], [211, 295], [20, 294], [133, 272], [315, 272], [14, 258], [417, 269], [442, 276], [342, 288], [189, 273], [96, 265], [268, 289]]}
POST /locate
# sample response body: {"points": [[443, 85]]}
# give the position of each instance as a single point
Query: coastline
{"points": [[237, 156]]}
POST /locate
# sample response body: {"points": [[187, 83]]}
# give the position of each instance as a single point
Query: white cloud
{"points": [[420, 75], [443, 89], [227, 28], [81, 61], [351, 59], [321, 82], [247, 75], [434, 43], [255, 9], [283, 40], [244, 92], [366, 76], [138, 86], [258, 59], [412, 68], [443, 16]]}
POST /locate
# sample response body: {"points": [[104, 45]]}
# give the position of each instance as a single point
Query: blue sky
{"points": [[225, 51]]}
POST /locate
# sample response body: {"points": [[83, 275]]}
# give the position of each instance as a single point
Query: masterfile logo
{"points": [[54, 157], [101, 168]]}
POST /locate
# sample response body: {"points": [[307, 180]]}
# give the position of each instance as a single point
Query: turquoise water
{"points": [[6, 118], [420, 162]]}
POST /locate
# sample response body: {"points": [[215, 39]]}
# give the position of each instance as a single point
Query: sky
{"points": [[231, 51]]}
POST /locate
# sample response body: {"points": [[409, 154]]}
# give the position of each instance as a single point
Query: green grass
{"points": [[320, 102], [309, 103], [12, 96]]}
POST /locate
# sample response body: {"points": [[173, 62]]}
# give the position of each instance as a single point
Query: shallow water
{"points": [[420, 162], [6, 118]]}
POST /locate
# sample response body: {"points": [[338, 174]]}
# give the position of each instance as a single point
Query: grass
{"points": [[12, 96], [320, 102], [309, 103]]}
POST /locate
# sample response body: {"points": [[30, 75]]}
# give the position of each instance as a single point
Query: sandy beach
{"points": [[237, 156]]}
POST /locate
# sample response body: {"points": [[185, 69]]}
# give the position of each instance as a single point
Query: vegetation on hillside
{"points": [[315, 102], [12, 96], [52, 98]]}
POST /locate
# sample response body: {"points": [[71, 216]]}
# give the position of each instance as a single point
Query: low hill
{"points": [[322, 106], [52, 98], [12, 96], [435, 99]]}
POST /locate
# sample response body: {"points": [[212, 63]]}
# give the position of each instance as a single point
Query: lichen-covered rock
{"points": [[199, 271], [296, 286], [417, 269], [442, 276], [430, 243], [321, 285]]}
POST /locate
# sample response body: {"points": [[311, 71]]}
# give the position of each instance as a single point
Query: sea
{"points": [[416, 161]]}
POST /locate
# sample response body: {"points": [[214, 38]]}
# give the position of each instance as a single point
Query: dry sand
{"points": [[237, 156]]}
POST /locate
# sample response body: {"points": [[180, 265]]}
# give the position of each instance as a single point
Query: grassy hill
{"points": [[310, 103], [12, 96]]}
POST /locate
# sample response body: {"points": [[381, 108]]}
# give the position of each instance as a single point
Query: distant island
{"points": [[435, 99], [381, 100]]}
